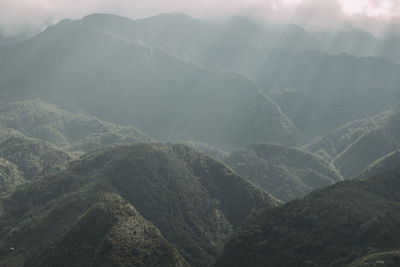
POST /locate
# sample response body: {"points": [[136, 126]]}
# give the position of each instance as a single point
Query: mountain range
{"points": [[174, 141]]}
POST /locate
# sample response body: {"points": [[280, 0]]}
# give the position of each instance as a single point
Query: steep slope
{"points": [[32, 156], [320, 92], [330, 227], [285, 172], [354, 146], [71, 130], [383, 164], [10, 176], [192, 199], [85, 228]]}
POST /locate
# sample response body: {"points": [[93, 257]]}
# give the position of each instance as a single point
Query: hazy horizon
{"points": [[376, 16]]}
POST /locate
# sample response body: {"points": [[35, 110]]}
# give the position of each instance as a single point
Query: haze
{"points": [[376, 16]]}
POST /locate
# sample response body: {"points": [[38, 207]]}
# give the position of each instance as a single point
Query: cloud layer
{"points": [[374, 15]]}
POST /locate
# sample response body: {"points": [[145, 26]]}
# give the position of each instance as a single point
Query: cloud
{"points": [[375, 15]]}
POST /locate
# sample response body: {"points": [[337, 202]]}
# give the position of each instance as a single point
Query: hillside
{"points": [[84, 228], [32, 156], [287, 173], [330, 227], [193, 103], [383, 164], [71, 130], [10, 176], [320, 92], [354, 146], [193, 200]]}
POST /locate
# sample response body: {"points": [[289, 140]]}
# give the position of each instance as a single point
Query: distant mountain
{"points": [[165, 96], [354, 146], [71, 130], [179, 65], [193, 200], [330, 227], [320, 92], [285, 172], [175, 100], [349, 40], [237, 43]]}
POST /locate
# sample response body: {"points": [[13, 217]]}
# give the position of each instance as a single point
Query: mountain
{"points": [[193, 200], [192, 103], [74, 131], [285, 172], [32, 156], [82, 229], [236, 43], [170, 72], [351, 41], [165, 96], [320, 92], [354, 146], [330, 227]]}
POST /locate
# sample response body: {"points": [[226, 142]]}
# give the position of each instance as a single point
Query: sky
{"points": [[376, 16]]}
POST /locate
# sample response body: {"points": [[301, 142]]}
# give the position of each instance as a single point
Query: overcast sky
{"points": [[373, 15]]}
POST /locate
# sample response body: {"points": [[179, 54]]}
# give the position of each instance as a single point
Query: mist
{"points": [[199, 133], [377, 17]]}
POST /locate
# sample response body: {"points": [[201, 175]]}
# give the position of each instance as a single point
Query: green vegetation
{"points": [[285, 172], [32, 156], [10, 176], [330, 227], [65, 217], [353, 147], [70, 130], [320, 92], [85, 228], [235, 89], [381, 165]]}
